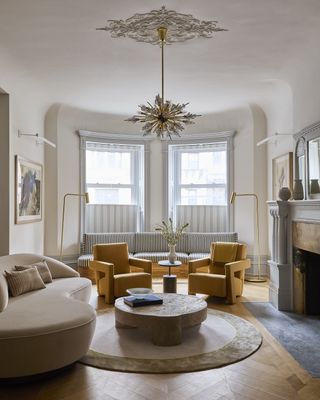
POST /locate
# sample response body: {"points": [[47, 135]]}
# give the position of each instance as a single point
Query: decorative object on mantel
{"points": [[297, 193], [39, 139], [314, 186], [232, 199], [164, 118], [86, 197], [284, 193], [172, 236], [282, 173]]}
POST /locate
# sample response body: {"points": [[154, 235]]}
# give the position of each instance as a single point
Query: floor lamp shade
{"points": [[232, 200], [87, 200]]}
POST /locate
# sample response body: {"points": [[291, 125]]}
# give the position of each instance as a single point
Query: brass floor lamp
{"points": [[232, 199], [86, 196]]}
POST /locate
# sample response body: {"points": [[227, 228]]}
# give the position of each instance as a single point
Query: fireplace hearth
{"points": [[306, 282]]}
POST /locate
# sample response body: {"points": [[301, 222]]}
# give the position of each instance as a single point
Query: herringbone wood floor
{"points": [[271, 373]]}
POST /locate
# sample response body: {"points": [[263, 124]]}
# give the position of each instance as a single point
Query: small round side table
{"points": [[169, 281]]}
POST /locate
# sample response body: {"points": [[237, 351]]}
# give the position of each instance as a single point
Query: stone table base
{"points": [[165, 321]]}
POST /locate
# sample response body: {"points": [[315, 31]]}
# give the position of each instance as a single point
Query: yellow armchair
{"points": [[112, 266], [224, 275]]}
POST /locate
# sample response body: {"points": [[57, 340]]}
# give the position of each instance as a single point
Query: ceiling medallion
{"points": [[143, 27], [163, 26]]}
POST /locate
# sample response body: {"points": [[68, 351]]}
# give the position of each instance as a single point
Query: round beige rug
{"points": [[220, 340]]}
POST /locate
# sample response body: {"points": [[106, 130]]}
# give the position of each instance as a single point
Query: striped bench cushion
{"points": [[158, 256], [196, 256], [83, 261]]}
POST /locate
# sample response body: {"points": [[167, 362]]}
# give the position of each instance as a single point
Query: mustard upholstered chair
{"points": [[111, 264], [224, 274]]}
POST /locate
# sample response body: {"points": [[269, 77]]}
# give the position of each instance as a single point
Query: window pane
{"points": [[203, 196], [110, 195], [203, 167], [107, 167]]}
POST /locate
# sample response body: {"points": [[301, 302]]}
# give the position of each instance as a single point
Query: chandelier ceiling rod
{"points": [[162, 32]]}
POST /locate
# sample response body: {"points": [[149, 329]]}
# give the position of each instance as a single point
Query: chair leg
{"points": [[108, 299]]}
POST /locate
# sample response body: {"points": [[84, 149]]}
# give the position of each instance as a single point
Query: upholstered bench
{"points": [[152, 246]]}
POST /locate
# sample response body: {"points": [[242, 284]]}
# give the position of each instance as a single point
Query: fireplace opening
{"points": [[307, 272]]}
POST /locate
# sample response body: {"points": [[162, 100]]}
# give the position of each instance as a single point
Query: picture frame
{"points": [[28, 191], [282, 173]]}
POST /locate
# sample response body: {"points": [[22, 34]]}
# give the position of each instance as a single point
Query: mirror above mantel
{"points": [[307, 160]]}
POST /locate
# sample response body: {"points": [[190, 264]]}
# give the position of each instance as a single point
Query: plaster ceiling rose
{"points": [[143, 27], [164, 118]]}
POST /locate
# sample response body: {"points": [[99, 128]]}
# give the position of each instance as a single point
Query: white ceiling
{"points": [[55, 43]]}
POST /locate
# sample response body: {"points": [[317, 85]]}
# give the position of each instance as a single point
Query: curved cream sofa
{"points": [[48, 328]]}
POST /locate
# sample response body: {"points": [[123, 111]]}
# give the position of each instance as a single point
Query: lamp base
{"points": [[255, 279]]}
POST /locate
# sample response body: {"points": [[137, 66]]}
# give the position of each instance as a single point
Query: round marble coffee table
{"points": [[165, 321]]}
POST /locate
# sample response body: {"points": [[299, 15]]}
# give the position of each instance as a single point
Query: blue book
{"points": [[147, 300]]}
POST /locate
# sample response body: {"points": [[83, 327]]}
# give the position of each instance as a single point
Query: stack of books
{"points": [[147, 300]]}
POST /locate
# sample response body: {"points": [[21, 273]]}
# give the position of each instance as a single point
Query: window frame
{"points": [[120, 139], [193, 139], [134, 177]]}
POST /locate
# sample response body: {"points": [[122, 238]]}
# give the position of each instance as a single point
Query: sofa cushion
{"points": [[4, 292], [201, 242], [150, 242], [57, 268], [89, 239], [20, 282], [42, 268], [60, 306]]}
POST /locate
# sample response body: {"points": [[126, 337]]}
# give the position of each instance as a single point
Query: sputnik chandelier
{"points": [[160, 27]]}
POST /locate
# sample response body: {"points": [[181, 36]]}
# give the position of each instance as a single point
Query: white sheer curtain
{"points": [[203, 218], [103, 218]]}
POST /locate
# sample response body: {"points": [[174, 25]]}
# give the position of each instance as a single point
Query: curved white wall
{"points": [[27, 109], [62, 124]]}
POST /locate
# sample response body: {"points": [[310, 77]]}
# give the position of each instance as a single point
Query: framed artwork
{"points": [[282, 167], [28, 176]]}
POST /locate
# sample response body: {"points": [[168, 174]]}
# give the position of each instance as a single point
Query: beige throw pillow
{"points": [[42, 268], [20, 282], [4, 296]]}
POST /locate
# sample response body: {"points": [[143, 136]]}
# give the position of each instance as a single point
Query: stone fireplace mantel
{"points": [[283, 214]]}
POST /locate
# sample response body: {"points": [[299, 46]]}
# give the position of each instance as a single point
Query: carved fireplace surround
{"points": [[295, 224]]}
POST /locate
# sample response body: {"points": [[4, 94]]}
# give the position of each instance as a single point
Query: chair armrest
{"points": [[237, 266], [104, 271], [146, 265], [231, 269], [102, 266], [200, 262]]}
